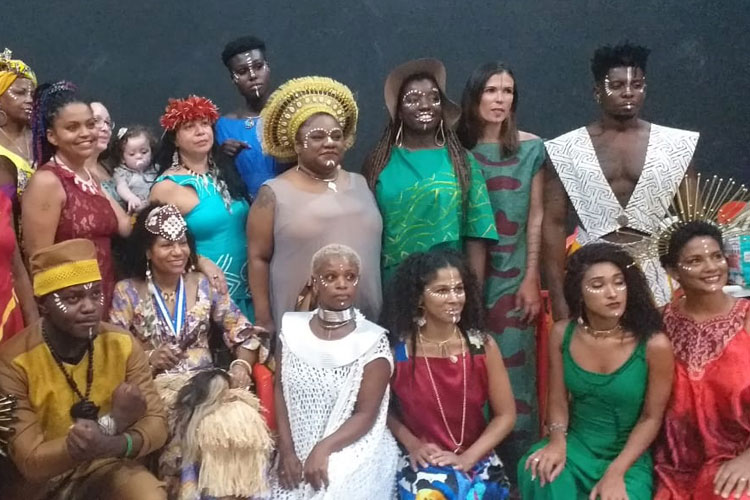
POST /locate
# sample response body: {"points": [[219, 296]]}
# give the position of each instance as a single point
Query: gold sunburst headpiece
{"points": [[720, 202], [296, 101]]}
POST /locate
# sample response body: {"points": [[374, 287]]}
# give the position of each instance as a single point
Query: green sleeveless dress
{"points": [[603, 410]]}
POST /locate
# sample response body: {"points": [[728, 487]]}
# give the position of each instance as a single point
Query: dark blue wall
{"points": [[133, 55]]}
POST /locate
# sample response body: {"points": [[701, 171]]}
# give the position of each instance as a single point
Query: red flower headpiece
{"points": [[180, 111]]}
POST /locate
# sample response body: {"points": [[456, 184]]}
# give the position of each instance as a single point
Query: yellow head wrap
{"points": [[10, 69], [296, 101], [69, 263]]}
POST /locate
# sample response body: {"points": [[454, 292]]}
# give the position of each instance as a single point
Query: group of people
{"points": [[230, 313]]}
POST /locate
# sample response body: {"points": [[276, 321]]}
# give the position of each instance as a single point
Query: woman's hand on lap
{"points": [[289, 469], [421, 455], [733, 477], [610, 487], [316, 467], [448, 458], [547, 463], [164, 358], [240, 377]]}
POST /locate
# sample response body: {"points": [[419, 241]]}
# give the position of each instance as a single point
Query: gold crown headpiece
{"points": [[720, 202], [296, 101]]}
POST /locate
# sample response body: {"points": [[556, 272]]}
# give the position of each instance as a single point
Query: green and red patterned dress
{"points": [[509, 186]]}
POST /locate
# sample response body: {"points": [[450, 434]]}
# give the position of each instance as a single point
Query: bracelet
{"points": [[107, 425], [241, 362], [128, 445], [556, 426]]}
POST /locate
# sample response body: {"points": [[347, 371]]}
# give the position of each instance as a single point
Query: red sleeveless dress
{"points": [[89, 216], [707, 421]]}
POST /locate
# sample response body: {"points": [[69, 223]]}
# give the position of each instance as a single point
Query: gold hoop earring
{"points": [[440, 132], [400, 135]]}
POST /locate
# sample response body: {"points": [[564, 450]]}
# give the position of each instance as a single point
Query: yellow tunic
{"points": [[23, 169], [29, 372]]}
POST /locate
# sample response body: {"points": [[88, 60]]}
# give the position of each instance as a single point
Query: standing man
{"points": [[618, 173], [239, 133], [86, 405]]}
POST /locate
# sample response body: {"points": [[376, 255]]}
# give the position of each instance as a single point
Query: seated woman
{"points": [[170, 309], [704, 450], [331, 398], [610, 375], [447, 371]]}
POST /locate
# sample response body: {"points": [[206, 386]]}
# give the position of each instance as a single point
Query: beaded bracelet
{"points": [[556, 426]]}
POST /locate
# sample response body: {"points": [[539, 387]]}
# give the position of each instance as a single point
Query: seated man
{"points": [[86, 403]]}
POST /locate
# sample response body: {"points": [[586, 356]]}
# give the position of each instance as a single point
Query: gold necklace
{"points": [[14, 143], [443, 351], [599, 334], [331, 181], [439, 401]]}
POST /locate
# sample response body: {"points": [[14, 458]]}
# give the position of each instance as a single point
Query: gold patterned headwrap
{"points": [[295, 102], [64, 264], [10, 69]]}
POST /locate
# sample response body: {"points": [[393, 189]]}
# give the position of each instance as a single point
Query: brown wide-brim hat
{"points": [[433, 67]]}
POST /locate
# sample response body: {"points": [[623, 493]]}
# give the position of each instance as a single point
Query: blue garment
{"points": [[254, 166], [220, 235]]}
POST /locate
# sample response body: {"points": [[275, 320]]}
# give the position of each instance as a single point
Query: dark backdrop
{"points": [[133, 55]]}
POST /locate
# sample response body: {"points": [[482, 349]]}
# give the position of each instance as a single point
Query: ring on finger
{"points": [[537, 459]]}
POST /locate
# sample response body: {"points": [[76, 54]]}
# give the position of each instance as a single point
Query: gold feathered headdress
{"points": [[719, 202], [295, 102]]}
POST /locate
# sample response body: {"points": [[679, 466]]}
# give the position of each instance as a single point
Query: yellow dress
{"points": [[23, 168]]}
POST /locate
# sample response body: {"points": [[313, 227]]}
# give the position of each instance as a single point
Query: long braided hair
{"points": [[379, 156], [49, 99]]}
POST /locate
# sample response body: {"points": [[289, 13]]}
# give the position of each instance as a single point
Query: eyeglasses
{"points": [[110, 124]]}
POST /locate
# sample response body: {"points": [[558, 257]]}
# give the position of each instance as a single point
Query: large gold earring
{"points": [[440, 135], [400, 134]]}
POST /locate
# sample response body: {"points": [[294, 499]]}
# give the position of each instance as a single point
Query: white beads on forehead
{"points": [[327, 132], [418, 93]]}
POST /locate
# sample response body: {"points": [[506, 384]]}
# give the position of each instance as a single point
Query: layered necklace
{"points": [[333, 320], [84, 408], [600, 334], [330, 181], [458, 443], [209, 177], [176, 321], [89, 185]]}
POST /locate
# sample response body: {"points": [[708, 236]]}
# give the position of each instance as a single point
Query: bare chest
{"points": [[621, 157]]}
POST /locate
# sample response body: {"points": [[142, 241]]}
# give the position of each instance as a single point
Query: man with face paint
{"points": [[618, 173], [240, 132], [86, 403]]}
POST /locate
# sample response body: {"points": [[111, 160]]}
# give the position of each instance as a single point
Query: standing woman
{"points": [[704, 452], [97, 164], [206, 188], [511, 162], [429, 190], [310, 121], [17, 84], [447, 372], [64, 200], [610, 380]]}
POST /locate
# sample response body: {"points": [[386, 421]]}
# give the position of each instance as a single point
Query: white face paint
{"points": [[455, 288], [319, 135], [59, 303]]}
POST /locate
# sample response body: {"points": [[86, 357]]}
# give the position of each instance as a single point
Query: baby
{"points": [[135, 171]]}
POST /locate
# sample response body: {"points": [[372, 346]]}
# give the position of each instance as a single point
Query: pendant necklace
{"points": [[84, 408], [331, 181], [599, 334]]}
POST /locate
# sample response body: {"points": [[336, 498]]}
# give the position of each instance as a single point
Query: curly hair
{"points": [[117, 147], [141, 239], [240, 46], [470, 126], [623, 55], [402, 302], [225, 165], [378, 158], [686, 232], [641, 315]]}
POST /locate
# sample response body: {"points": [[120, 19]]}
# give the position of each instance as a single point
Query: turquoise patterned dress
{"points": [[220, 235]]}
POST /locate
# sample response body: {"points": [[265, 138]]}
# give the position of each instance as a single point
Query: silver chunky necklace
{"points": [[331, 320]]}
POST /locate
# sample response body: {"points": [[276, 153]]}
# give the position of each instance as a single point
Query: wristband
{"points": [[128, 445], [556, 426]]}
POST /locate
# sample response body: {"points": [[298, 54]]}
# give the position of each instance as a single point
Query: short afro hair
{"points": [[623, 55], [241, 45]]}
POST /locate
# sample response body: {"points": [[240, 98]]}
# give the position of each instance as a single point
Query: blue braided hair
{"points": [[49, 99]]}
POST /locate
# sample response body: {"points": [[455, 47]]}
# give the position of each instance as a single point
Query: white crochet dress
{"points": [[321, 380]]}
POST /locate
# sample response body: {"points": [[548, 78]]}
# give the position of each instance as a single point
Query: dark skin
{"points": [[620, 139], [320, 159], [335, 282], [16, 103], [70, 314], [251, 76], [420, 110]]}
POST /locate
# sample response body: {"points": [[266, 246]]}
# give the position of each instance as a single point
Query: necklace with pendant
{"points": [[331, 181], [26, 155]]}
